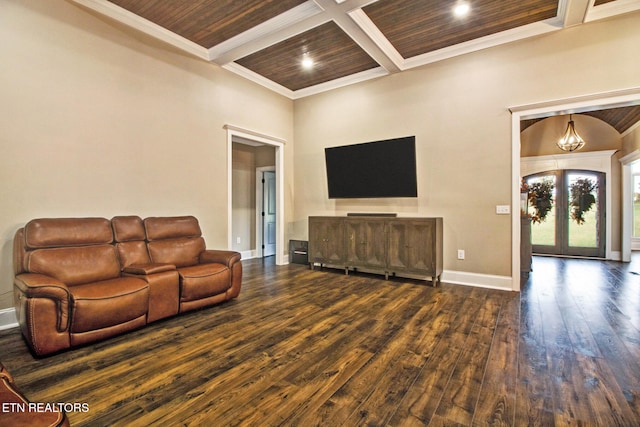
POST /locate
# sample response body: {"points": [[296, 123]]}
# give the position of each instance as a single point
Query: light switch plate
{"points": [[503, 209]]}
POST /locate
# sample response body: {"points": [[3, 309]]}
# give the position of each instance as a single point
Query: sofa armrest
{"points": [[227, 258], [30, 285], [43, 310], [146, 269], [232, 260], [41, 286]]}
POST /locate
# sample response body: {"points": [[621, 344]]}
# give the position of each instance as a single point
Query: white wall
{"points": [[458, 110], [98, 120]]}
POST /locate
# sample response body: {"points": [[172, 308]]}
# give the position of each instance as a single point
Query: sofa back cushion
{"points": [[128, 232], [75, 265], [127, 228], [171, 227], [174, 240], [73, 250], [179, 252], [56, 232], [131, 253]]}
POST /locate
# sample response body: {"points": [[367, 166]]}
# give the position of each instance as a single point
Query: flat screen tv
{"points": [[373, 169]]}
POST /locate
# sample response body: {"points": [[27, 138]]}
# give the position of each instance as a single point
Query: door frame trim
{"points": [[575, 104], [237, 133], [627, 204]]}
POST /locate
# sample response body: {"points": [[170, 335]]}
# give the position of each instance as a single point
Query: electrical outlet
{"points": [[238, 240], [460, 253]]}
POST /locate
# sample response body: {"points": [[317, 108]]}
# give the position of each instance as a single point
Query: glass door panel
{"points": [[583, 210], [543, 233]]}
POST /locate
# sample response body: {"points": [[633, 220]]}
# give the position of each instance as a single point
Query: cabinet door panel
{"points": [[315, 240], [376, 253], [398, 256], [334, 248], [411, 246], [356, 241], [365, 242], [420, 248], [326, 240]]}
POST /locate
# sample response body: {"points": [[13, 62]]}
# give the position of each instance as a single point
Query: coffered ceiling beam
{"points": [[291, 23], [573, 12], [339, 13]]}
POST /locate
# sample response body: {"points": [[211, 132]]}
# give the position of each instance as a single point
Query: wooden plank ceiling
{"points": [[620, 118], [415, 27], [347, 40]]}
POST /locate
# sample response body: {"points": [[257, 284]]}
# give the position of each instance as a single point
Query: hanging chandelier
{"points": [[571, 141]]}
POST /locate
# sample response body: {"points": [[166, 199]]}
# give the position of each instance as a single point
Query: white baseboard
{"points": [[503, 283], [254, 254], [8, 318], [248, 254]]}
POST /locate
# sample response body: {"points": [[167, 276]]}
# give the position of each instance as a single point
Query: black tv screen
{"points": [[373, 169]]}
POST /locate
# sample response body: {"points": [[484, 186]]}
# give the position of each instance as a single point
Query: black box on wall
{"points": [[299, 251]]}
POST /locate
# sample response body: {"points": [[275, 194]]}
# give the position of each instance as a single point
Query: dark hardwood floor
{"points": [[302, 347]]}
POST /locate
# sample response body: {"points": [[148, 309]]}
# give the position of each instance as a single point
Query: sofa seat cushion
{"points": [[109, 302], [203, 280]]}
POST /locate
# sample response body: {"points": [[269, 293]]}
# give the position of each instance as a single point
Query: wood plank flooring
{"points": [[303, 348]]}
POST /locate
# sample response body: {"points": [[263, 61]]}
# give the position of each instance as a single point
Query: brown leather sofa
{"points": [[79, 280], [17, 411]]}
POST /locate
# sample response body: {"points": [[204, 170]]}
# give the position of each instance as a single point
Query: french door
{"points": [[575, 225]]}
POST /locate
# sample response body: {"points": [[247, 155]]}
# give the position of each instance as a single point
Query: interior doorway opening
{"points": [[584, 103], [237, 135]]}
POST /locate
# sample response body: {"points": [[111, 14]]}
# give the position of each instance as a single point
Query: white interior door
{"points": [[269, 213]]}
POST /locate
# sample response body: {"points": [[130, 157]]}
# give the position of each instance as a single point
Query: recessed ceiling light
{"points": [[461, 9], [307, 62]]}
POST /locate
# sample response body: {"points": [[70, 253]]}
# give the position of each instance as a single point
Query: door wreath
{"points": [[582, 198], [541, 198]]}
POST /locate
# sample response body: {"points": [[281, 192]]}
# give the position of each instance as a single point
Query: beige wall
{"points": [[98, 120], [458, 110]]}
